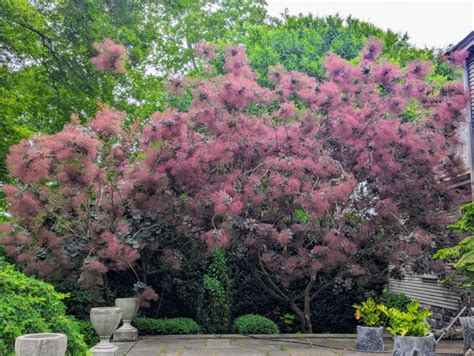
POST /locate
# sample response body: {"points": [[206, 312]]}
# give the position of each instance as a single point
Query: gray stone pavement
{"points": [[238, 345]]}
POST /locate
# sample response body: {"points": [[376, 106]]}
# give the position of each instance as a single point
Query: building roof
{"points": [[466, 43]]}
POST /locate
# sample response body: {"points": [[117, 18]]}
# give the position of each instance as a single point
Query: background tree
{"points": [[46, 75], [301, 43], [46, 46]]}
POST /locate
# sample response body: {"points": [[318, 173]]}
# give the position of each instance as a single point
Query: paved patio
{"points": [[281, 345]]}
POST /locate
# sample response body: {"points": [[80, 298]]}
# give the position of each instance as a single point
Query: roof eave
{"points": [[466, 43]]}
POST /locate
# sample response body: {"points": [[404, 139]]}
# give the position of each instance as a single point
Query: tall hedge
{"points": [[213, 312], [28, 306]]}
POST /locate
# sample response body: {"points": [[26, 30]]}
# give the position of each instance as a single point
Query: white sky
{"points": [[428, 23]]}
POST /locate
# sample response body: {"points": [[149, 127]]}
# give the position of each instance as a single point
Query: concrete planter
{"points": [[129, 308], [41, 344], [370, 338], [414, 345], [468, 333], [105, 321]]}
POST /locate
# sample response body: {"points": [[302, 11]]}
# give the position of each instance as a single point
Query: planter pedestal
{"points": [[370, 338], [102, 352], [414, 346], [41, 344], [105, 321], [468, 333], [129, 308], [121, 335]]}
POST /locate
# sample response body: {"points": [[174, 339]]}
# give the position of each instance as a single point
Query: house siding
{"points": [[444, 303], [428, 290]]}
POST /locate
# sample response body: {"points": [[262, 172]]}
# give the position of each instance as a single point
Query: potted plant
{"points": [[370, 333], [411, 332]]}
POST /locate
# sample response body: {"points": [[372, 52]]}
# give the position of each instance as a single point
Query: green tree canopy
{"points": [[46, 46], [301, 42]]}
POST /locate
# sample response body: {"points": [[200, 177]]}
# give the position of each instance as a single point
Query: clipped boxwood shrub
{"points": [[28, 306], [174, 326], [255, 324]]}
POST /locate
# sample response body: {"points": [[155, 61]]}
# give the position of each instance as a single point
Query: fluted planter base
{"points": [[370, 338], [41, 344], [414, 346]]}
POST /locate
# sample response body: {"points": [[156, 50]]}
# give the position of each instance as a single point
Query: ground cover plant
{"points": [[316, 184]]}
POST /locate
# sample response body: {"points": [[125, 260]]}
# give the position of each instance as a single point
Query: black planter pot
{"points": [[370, 338], [468, 332], [414, 345]]}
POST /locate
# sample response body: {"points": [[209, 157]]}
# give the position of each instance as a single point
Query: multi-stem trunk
{"points": [[304, 315], [283, 295]]}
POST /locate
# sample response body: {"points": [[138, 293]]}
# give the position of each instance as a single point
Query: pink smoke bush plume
{"points": [[111, 56]]}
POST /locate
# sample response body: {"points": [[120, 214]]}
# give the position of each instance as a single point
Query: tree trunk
{"points": [[303, 316], [284, 296], [307, 316]]}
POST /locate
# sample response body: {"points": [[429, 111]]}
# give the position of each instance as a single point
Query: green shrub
{"points": [[288, 321], [213, 312], [87, 330], [28, 306], [394, 300], [175, 326], [255, 324]]}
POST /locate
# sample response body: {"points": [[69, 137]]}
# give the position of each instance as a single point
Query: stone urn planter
{"points": [[41, 344], [105, 320], [129, 308], [370, 338], [414, 345], [468, 333]]}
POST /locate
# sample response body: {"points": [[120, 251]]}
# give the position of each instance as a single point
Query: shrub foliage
{"points": [[255, 324], [174, 326], [394, 300], [462, 253], [213, 312], [87, 330], [29, 306]]}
